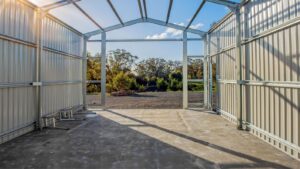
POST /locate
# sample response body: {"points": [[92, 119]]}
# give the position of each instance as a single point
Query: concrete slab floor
{"points": [[142, 139]]}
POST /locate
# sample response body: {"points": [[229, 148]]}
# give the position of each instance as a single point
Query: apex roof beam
{"points": [[57, 4], [196, 14], [147, 40], [114, 27], [85, 14], [227, 3], [140, 20], [174, 26], [115, 11], [145, 8], [169, 11], [140, 8]]}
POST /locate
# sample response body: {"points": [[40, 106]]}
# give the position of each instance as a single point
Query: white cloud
{"points": [[170, 32], [163, 35], [197, 26]]}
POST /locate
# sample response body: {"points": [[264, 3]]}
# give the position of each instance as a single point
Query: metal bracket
{"points": [[241, 82], [37, 83]]}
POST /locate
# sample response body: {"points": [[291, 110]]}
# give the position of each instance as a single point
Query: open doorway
{"points": [[134, 81], [195, 82]]}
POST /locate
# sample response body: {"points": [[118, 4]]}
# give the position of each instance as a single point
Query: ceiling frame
{"points": [[144, 15]]}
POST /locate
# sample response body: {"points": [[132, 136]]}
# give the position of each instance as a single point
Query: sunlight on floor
{"points": [[168, 126]]}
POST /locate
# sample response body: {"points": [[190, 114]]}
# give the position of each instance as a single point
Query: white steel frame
{"points": [[142, 4]]}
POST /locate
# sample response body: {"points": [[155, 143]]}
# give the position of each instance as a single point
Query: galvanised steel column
{"points": [[247, 69], [205, 72], [84, 69], [185, 71], [210, 83], [239, 94], [103, 68], [39, 52], [209, 63], [218, 94]]}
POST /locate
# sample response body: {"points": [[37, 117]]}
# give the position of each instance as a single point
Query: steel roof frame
{"points": [[115, 11], [140, 8], [147, 40], [57, 4], [196, 14], [144, 16], [169, 11]]}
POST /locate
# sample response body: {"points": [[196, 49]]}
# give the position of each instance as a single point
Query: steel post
{"points": [[185, 71], [103, 69], [84, 70]]}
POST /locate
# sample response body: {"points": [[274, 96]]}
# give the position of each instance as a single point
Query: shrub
{"points": [[93, 88], [176, 75], [174, 84], [152, 81], [161, 84], [133, 85], [195, 86], [109, 88], [141, 88], [141, 80], [121, 82]]}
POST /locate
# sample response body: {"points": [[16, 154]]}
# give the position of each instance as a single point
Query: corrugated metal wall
{"points": [[271, 70], [61, 67]]}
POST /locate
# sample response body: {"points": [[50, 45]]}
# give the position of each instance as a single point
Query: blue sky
{"points": [[182, 12]]}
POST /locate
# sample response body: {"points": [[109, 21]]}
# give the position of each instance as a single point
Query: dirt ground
{"points": [[147, 100]]}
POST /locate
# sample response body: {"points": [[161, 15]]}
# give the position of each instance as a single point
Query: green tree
{"points": [[121, 82], [153, 68], [93, 73], [119, 65], [195, 69], [120, 60]]}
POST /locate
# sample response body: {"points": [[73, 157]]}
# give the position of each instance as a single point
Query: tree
{"points": [[153, 67], [119, 63], [195, 69], [122, 82], [153, 74], [120, 60], [93, 73]]}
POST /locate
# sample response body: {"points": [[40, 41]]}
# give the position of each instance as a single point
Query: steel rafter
{"points": [[144, 18], [196, 14], [85, 14], [174, 26], [145, 9], [169, 11], [57, 4], [115, 11], [147, 40], [227, 3], [140, 8], [149, 20]]}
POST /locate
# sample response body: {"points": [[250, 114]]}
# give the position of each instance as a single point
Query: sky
{"points": [[181, 13]]}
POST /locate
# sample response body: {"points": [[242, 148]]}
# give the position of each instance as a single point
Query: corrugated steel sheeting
{"points": [[271, 70], [61, 64], [61, 67]]}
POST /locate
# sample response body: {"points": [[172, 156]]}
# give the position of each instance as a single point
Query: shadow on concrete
{"points": [[257, 162], [103, 143]]}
